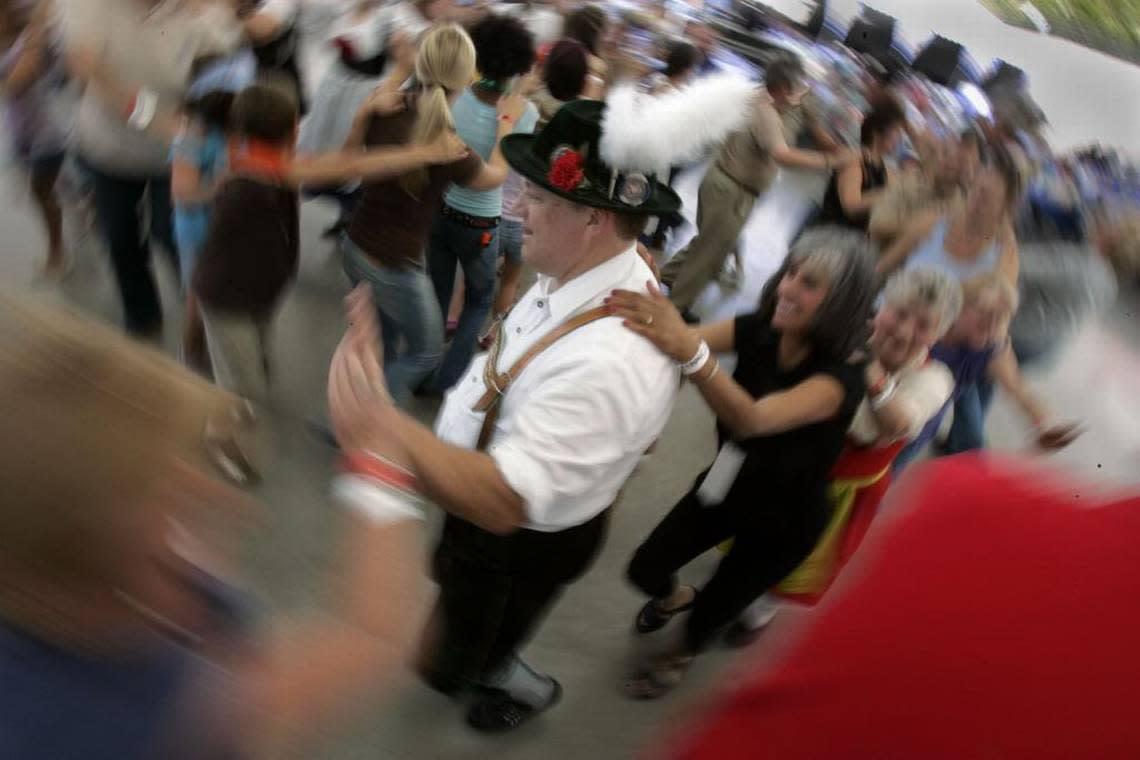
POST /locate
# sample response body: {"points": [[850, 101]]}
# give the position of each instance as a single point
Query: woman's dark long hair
{"points": [[844, 256]]}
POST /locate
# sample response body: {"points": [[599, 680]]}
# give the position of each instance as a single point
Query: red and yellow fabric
{"points": [[860, 478]]}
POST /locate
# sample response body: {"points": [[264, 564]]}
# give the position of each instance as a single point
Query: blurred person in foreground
{"points": [[118, 638], [743, 170], [988, 615], [782, 416]]}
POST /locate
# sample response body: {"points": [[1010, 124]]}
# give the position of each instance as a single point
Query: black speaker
{"points": [[1004, 76], [866, 36], [939, 61]]}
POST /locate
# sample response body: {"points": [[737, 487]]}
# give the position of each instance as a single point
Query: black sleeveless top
{"points": [[832, 212]]}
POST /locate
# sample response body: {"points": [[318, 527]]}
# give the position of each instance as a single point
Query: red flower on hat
{"points": [[566, 171]]}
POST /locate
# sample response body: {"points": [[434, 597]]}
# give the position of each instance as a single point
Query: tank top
{"points": [[932, 254], [832, 211]]}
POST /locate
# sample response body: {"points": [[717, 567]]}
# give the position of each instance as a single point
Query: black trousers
{"points": [[772, 535], [494, 592], [120, 211]]}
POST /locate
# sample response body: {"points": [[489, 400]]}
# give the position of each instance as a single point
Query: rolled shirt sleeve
{"points": [[924, 392], [581, 436]]}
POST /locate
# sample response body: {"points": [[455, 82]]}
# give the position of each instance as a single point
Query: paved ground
{"points": [[586, 643]]}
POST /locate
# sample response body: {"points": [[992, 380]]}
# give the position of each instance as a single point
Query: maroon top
{"points": [[390, 224], [252, 249]]}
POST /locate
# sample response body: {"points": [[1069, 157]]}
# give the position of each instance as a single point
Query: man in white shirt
{"points": [[527, 461]]}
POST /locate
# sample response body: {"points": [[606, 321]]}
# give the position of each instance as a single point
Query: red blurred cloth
{"points": [[993, 612]]}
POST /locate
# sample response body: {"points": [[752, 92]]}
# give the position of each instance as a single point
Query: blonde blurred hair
{"points": [[92, 424], [990, 291], [445, 64]]}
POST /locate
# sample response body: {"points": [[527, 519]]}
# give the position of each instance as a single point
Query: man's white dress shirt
{"points": [[577, 420]]}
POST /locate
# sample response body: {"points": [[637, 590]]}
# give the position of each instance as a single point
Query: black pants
{"points": [[772, 536], [495, 590], [119, 207]]}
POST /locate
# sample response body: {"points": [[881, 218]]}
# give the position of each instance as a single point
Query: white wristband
{"points": [[146, 106], [694, 365], [380, 504], [883, 398]]}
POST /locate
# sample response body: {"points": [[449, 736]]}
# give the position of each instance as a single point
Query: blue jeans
{"points": [[477, 251], [408, 311], [510, 241], [968, 432]]}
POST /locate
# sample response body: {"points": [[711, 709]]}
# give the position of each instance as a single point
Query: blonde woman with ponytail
{"points": [[385, 240]]}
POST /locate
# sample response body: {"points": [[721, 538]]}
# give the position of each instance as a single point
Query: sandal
{"points": [[658, 677], [652, 618], [502, 712]]}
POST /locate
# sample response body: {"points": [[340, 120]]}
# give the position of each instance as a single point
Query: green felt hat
{"points": [[565, 159]]}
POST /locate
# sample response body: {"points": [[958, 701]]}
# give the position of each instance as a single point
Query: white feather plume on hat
{"points": [[649, 134]]}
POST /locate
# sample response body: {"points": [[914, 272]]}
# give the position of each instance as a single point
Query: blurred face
{"points": [[556, 232], [902, 332], [798, 297], [981, 326]]}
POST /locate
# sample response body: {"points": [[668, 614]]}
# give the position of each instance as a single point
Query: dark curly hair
{"points": [[504, 48]]}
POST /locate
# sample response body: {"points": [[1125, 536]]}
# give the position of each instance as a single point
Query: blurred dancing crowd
{"points": [[507, 184]]}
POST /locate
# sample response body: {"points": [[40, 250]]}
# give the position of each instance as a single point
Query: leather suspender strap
{"points": [[498, 383]]}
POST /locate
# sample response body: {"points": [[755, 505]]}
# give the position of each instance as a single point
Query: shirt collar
{"points": [[587, 286]]}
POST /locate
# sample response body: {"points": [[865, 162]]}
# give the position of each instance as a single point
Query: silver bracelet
{"points": [[379, 503], [146, 107], [693, 365], [884, 396]]}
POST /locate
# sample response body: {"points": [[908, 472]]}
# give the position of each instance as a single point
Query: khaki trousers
{"points": [[723, 207]]}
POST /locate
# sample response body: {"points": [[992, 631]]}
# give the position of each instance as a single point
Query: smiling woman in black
{"points": [[781, 420]]}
